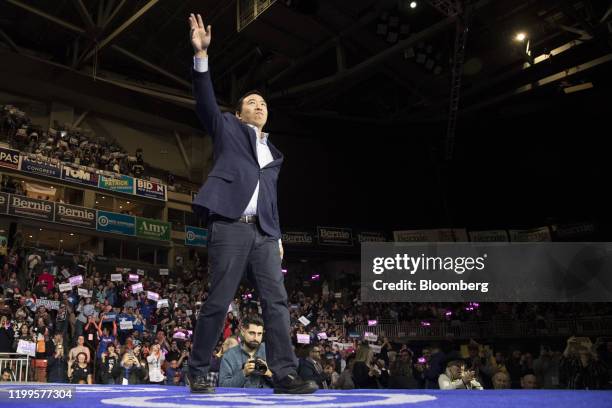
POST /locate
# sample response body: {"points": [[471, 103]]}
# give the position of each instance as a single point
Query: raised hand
{"points": [[200, 35]]}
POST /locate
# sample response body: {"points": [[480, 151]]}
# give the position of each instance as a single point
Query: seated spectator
{"points": [[109, 367], [401, 371], [546, 368], [310, 368], [580, 366], [79, 348], [133, 369], [174, 374], [330, 376], [104, 337], [215, 362], [457, 378], [57, 366], [7, 336], [365, 371], [345, 381], [245, 366], [79, 372], [155, 360], [7, 375], [47, 279], [529, 382], [501, 381]]}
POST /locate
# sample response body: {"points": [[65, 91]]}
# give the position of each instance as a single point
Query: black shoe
{"points": [[199, 384], [293, 384]]}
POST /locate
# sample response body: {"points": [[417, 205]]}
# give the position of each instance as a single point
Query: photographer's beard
{"points": [[252, 345]]}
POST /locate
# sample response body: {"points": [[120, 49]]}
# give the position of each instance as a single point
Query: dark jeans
{"points": [[234, 247]]}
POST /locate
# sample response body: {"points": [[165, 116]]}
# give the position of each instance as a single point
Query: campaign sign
{"points": [[146, 188], [119, 183], [116, 223], [196, 236], [75, 215], [23, 206], [9, 158], [4, 201], [80, 176], [41, 167]]}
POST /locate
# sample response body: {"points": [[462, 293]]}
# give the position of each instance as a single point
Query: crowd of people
{"points": [[67, 144], [137, 328]]}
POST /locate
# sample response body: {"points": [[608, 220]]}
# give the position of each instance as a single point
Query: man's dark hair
{"points": [[254, 320], [238, 106], [457, 363]]}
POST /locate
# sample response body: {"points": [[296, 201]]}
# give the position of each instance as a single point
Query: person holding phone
{"points": [[456, 377], [57, 368]]}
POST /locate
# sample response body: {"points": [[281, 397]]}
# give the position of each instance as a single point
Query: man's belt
{"points": [[247, 219]]}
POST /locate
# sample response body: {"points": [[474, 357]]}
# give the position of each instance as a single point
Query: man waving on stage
{"points": [[239, 201]]}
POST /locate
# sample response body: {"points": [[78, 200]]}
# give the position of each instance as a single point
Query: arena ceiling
{"points": [[361, 60]]}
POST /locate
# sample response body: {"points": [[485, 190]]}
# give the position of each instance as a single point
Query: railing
{"points": [[593, 326], [19, 365]]}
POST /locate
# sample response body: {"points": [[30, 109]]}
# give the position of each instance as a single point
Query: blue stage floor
{"points": [[150, 396]]}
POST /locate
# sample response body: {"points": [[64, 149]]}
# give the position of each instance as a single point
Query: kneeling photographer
{"points": [[245, 366]]}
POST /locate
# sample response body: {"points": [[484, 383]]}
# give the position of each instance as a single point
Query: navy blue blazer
{"points": [[235, 173]]}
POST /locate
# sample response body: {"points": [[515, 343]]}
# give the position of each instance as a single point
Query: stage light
{"points": [[520, 37], [413, 4]]}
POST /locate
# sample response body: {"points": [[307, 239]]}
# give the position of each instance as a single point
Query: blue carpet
{"points": [[150, 396]]}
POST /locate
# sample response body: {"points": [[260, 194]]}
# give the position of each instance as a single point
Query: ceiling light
{"points": [[520, 37], [413, 4]]}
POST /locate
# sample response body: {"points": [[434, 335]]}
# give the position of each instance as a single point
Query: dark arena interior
{"points": [[434, 173]]}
